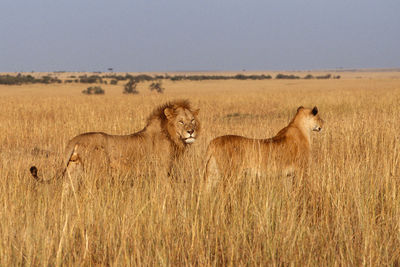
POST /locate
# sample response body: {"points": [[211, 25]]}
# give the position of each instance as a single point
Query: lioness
{"points": [[168, 132], [286, 152]]}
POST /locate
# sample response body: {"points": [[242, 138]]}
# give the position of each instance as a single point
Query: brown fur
{"points": [[288, 151], [169, 130]]}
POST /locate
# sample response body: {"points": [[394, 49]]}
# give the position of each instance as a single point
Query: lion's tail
{"points": [[60, 171]]}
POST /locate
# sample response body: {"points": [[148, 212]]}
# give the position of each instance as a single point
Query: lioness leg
{"points": [[73, 171], [212, 174]]}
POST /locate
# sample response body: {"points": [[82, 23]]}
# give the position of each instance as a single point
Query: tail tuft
{"points": [[34, 171]]}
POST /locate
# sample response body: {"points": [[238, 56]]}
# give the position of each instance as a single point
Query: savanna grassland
{"points": [[346, 212]]}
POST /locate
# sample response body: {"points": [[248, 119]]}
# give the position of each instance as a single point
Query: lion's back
{"points": [[89, 139]]}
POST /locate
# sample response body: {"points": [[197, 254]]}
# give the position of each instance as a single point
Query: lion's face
{"points": [[316, 120], [312, 119], [183, 125]]}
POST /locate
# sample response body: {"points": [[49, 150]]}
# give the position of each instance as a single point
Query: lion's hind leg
{"points": [[212, 173], [72, 173], [75, 164]]}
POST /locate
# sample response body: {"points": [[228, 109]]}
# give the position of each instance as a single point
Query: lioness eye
{"points": [[181, 122], [193, 121]]}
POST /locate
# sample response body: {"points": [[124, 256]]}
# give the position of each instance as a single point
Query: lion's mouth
{"points": [[189, 140]]}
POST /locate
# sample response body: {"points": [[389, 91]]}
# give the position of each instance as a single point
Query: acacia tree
{"points": [[156, 86], [130, 87]]}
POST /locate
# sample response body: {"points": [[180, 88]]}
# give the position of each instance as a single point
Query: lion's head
{"points": [[310, 118], [179, 121]]}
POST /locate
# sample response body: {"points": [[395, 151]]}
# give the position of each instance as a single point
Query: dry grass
{"points": [[347, 212]]}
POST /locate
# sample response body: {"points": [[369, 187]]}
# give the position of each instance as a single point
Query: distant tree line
{"points": [[24, 79], [308, 76], [114, 78], [218, 77]]}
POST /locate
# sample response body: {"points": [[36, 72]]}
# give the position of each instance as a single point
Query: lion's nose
{"points": [[190, 132]]}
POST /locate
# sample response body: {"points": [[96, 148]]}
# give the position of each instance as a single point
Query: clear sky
{"points": [[186, 35]]}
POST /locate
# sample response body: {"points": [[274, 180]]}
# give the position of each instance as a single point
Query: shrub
{"points": [[114, 82], [115, 77], [177, 78], [285, 76], [48, 79], [240, 77], [259, 77], [139, 78], [309, 76], [90, 79], [130, 87], [156, 86], [327, 76], [9, 80], [93, 90]]}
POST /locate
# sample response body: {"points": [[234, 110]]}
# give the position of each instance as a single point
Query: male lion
{"points": [[288, 151], [169, 130]]}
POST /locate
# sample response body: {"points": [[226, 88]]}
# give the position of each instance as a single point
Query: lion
{"points": [[286, 153], [170, 129]]}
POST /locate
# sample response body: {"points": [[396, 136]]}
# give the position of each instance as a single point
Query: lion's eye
{"points": [[181, 122], [193, 121]]}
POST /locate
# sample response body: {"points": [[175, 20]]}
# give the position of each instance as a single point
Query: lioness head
{"points": [[310, 118], [183, 125]]}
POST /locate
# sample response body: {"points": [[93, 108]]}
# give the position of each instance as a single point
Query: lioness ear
{"points": [[196, 112], [301, 107], [315, 111], [169, 113]]}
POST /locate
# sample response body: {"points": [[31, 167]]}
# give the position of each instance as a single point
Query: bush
{"points": [[309, 76], [116, 77], [327, 76], [240, 77], [139, 78], [156, 86], [90, 79], [259, 77], [10, 80], [284, 76], [114, 82], [130, 87], [93, 90], [48, 80]]}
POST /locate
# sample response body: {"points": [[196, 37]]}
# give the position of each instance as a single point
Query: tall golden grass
{"points": [[345, 213]]}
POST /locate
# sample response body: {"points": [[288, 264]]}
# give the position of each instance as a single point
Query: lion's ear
{"points": [[301, 107], [315, 111], [196, 112], [169, 113]]}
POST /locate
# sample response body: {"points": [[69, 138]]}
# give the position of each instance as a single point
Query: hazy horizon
{"points": [[177, 35]]}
